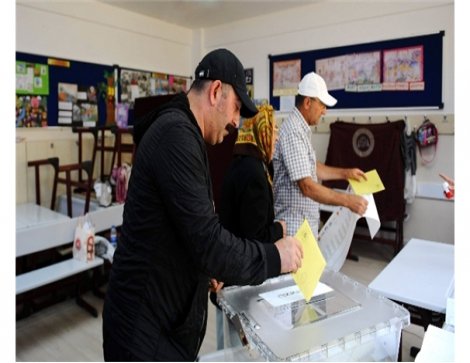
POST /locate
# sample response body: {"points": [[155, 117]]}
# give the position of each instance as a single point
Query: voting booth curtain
{"points": [[373, 146]]}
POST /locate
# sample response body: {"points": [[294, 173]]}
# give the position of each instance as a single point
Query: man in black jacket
{"points": [[172, 246]]}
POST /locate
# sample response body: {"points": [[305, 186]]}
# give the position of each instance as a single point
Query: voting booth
{"points": [[343, 321]]}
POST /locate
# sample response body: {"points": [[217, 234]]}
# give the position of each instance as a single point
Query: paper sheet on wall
{"points": [[336, 235]]}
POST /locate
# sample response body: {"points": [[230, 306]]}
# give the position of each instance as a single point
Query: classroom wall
{"points": [[98, 33], [95, 32]]}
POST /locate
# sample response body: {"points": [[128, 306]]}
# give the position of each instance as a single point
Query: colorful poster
{"points": [[32, 79], [333, 71], [363, 72], [178, 84], [134, 84], [67, 104], [358, 72], [286, 77], [31, 111], [403, 69], [159, 84], [87, 102]]}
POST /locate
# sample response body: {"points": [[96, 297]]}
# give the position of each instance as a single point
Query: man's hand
{"points": [[291, 253], [355, 174], [215, 286], [357, 204], [449, 180]]}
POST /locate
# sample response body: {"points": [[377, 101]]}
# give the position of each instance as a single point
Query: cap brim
{"points": [[328, 100], [248, 109]]}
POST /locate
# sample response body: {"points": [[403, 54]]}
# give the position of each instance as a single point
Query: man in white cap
{"points": [[297, 172]]}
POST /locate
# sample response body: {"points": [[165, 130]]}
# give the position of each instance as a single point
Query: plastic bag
{"points": [[84, 240], [103, 193]]}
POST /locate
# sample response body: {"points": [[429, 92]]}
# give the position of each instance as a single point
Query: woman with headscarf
{"points": [[246, 205]]}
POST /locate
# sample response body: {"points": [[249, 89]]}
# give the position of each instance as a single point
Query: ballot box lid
{"points": [[341, 319]]}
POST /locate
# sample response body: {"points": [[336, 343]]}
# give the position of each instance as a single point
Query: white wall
{"points": [[98, 33], [95, 32]]}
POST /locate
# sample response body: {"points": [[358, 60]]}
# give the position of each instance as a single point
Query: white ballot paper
{"points": [[336, 235]]}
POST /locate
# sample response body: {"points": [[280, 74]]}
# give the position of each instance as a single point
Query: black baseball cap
{"points": [[223, 65]]}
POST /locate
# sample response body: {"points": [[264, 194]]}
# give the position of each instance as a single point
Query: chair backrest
{"points": [[121, 147], [54, 162], [83, 186], [80, 131], [372, 146]]}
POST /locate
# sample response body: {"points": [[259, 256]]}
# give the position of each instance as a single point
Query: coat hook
{"points": [[370, 119], [445, 118], [387, 119], [354, 119]]}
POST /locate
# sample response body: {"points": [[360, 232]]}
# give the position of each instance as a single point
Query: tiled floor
{"points": [[65, 332]]}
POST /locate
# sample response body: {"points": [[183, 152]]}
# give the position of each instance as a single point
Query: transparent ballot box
{"points": [[343, 321]]}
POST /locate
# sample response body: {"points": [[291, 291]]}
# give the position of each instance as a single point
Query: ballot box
{"points": [[343, 321]]}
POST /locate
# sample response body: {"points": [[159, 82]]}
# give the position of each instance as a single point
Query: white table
{"points": [[39, 228], [29, 215], [422, 275]]}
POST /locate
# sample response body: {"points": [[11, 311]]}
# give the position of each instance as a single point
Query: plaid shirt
{"points": [[294, 159]]}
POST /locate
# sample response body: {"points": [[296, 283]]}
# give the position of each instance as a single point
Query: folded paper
{"points": [[313, 263]]}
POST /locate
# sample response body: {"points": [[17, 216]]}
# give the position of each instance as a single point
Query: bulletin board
{"points": [[398, 73], [136, 83], [66, 72]]}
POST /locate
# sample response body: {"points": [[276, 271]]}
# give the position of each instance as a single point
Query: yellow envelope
{"points": [[373, 184], [313, 263]]}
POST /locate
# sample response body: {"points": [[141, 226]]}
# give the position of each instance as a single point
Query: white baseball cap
{"points": [[313, 85]]}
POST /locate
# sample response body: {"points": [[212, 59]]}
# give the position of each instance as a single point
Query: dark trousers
{"points": [[114, 350]]}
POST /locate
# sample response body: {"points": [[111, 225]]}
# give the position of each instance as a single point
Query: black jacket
{"points": [[171, 244], [246, 207]]}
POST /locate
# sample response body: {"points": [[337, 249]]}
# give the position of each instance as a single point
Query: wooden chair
{"points": [[26, 263], [54, 162], [103, 148], [80, 131], [121, 147], [85, 185]]}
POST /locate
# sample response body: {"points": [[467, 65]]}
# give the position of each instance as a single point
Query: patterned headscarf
{"points": [[258, 131]]}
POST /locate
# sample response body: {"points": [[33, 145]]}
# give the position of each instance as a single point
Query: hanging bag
{"points": [[426, 137]]}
